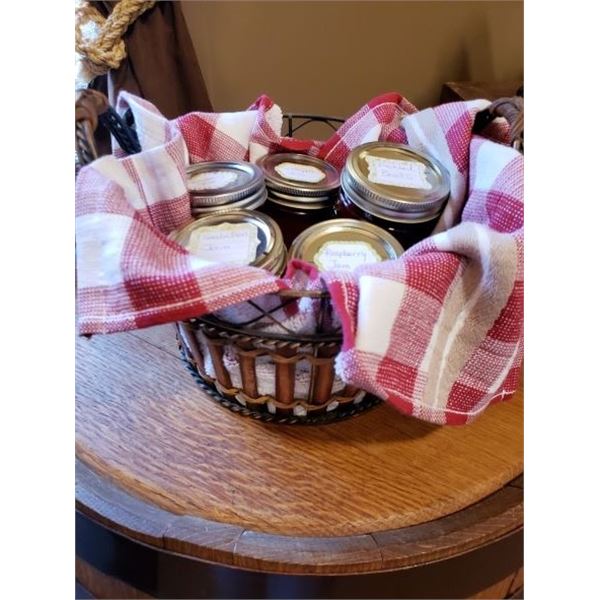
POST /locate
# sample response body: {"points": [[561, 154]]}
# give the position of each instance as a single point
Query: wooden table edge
{"points": [[483, 523]]}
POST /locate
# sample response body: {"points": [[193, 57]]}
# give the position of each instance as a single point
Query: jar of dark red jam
{"points": [[394, 187], [302, 191]]}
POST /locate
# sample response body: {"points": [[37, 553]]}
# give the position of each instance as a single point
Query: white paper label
{"points": [[211, 180], [345, 256], [232, 243], [400, 173], [297, 172]]}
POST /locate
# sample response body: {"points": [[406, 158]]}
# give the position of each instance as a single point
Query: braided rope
{"points": [[105, 50]]}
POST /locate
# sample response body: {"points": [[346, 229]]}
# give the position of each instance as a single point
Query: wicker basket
{"points": [[277, 376]]}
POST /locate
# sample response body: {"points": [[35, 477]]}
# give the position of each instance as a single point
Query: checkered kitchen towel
{"points": [[437, 333]]}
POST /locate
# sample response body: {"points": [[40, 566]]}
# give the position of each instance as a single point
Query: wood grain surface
{"points": [[493, 518], [144, 426], [118, 562]]}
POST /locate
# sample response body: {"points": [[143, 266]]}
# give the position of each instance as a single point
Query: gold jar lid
{"points": [[238, 237], [299, 175], [344, 244], [395, 181]]}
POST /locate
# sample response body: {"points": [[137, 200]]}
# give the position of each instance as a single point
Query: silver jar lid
{"points": [[239, 237], [299, 175], [389, 214], [219, 183], [344, 244], [248, 203], [395, 182]]}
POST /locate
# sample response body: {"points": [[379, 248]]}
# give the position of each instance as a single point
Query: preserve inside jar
{"points": [[394, 187], [217, 186], [238, 237], [407, 233], [302, 190], [344, 244]]}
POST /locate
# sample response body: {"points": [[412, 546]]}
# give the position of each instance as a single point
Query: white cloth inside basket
{"points": [[265, 373]]}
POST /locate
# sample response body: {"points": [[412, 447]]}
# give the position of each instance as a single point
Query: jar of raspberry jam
{"points": [[301, 191], [394, 187], [344, 244]]}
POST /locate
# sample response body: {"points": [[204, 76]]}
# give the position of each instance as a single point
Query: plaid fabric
{"points": [[437, 333]]}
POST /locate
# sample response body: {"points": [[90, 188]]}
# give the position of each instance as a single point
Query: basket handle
{"points": [[512, 109], [89, 105], [91, 108]]}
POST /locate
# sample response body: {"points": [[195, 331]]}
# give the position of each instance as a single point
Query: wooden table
{"points": [[178, 497]]}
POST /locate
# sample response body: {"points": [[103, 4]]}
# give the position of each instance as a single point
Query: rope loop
{"points": [[105, 49]]}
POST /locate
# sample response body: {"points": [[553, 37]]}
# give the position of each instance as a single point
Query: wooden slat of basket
{"points": [[216, 349], [322, 376], [285, 375], [246, 355]]}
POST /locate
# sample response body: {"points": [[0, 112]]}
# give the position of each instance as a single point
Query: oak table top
{"points": [[161, 462]]}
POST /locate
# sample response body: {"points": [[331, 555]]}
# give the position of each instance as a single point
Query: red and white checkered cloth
{"points": [[438, 333]]}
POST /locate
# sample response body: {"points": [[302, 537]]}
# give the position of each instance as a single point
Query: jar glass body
{"points": [[408, 234], [293, 220]]}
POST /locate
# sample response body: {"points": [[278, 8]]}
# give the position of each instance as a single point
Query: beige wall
{"points": [[331, 57]]}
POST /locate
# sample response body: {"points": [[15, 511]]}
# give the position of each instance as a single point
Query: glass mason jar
{"points": [[218, 186], [344, 244], [302, 190], [238, 237], [394, 187]]}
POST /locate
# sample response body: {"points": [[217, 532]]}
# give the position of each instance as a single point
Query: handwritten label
{"points": [[211, 180], [345, 256], [400, 173], [232, 243], [297, 172]]}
